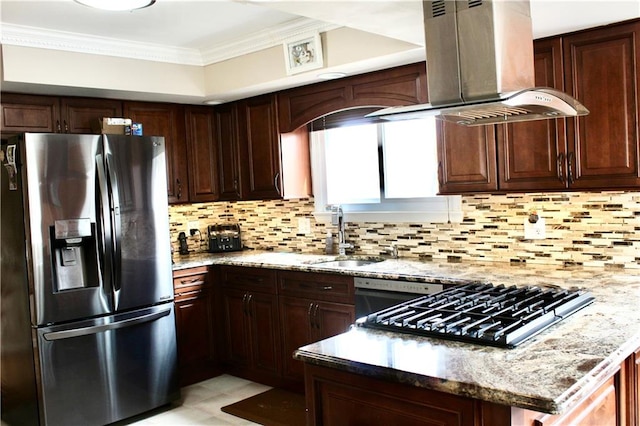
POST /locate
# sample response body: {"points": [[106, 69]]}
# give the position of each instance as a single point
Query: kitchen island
{"points": [[591, 353]]}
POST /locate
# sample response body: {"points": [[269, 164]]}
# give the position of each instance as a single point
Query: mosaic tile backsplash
{"points": [[589, 229]]}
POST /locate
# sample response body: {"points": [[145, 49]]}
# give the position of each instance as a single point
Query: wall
{"points": [[590, 229]]}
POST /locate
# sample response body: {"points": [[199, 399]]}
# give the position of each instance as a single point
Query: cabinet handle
{"points": [[310, 314], [58, 128], [276, 183], [244, 304], [570, 158], [249, 304], [315, 316], [560, 162], [235, 184], [327, 287], [194, 280], [66, 126], [440, 172], [179, 194]]}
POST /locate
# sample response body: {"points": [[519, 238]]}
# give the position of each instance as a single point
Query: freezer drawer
{"points": [[99, 371]]}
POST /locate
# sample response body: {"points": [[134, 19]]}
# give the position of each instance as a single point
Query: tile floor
{"points": [[201, 402]]}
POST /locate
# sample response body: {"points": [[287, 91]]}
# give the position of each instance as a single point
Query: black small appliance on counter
{"points": [[224, 238]]}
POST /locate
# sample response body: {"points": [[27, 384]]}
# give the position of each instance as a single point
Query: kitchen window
{"points": [[383, 172]]}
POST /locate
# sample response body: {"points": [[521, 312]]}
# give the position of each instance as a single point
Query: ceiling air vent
{"points": [[437, 8], [474, 3]]}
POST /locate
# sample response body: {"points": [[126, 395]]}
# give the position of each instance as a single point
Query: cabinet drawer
{"points": [[247, 278], [189, 281], [321, 287]]}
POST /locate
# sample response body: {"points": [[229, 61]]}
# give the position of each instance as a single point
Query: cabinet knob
{"points": [[58, 128], [179, 192], [66, 127]]}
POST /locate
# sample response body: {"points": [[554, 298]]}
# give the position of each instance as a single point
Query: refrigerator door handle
{"points": [[85, 331], [116, 225], [103, 223]]}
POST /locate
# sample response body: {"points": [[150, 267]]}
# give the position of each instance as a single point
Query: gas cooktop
{"points": [[481, 313]]}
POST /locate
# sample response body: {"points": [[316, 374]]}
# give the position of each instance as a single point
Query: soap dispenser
{"points": [[328, 249]]}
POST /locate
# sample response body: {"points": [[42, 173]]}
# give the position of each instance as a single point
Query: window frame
{"points": [[437, 209]]}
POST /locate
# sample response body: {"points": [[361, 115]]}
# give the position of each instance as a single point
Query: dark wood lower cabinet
{"points": [[250, 326], [336, 397], [195, 325], [305, 321]]}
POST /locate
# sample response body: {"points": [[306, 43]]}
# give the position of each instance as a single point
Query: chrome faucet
{"points": [[337, 218]]}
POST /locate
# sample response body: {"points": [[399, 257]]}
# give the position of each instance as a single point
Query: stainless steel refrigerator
{"points": [[87, 317]]}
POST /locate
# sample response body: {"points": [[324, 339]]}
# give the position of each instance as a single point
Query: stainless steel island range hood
{"points": [[480, 66]]}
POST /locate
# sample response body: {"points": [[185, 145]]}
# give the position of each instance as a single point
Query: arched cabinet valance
{"points": [[405, 85]]}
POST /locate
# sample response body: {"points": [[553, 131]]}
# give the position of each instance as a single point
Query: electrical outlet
{"points": [[304, 225], [534, 231], [193, 225]]}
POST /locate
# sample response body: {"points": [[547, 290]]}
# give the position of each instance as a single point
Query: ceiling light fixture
{"points": [[117, 5]]}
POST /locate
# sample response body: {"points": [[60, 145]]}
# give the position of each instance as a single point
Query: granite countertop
{"points": [[548, 373]]}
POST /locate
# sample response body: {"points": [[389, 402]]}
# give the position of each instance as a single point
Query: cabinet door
{"points": [[295, 317], [335, 397], [26, 113], [332, 319], [235, 346], [166, 120], [601, 71], [260, 151], [265, 334], [466, 158], [306, 321], [79, 115], [226, 139], [201, 154], [194, 327], [531, 155]]}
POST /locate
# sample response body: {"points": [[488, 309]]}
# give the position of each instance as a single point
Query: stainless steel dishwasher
{"points": [[375, 294]]}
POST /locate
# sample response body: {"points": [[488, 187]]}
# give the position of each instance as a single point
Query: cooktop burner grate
{"points": [[481, 313]]}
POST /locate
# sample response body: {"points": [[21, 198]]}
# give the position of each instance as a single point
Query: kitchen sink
{"points": [[348, 263]]}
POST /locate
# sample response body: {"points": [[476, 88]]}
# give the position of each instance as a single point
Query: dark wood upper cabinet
{"points": [[79, 115], [26, 113], [166, 120], [466, 158], [226, 139], [259, 148], [601, 71], [593, 152], [532, 155], [405, 85], [202, 154], [49, 114]]}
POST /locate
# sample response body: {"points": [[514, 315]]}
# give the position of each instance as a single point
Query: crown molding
{"points": [[264, 39], [18, 35]]}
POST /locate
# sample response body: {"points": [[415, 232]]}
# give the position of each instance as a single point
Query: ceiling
{"points": [[202, 32]]}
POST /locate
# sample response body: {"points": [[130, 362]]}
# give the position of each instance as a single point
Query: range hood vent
{"points": [[480, 66]]}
